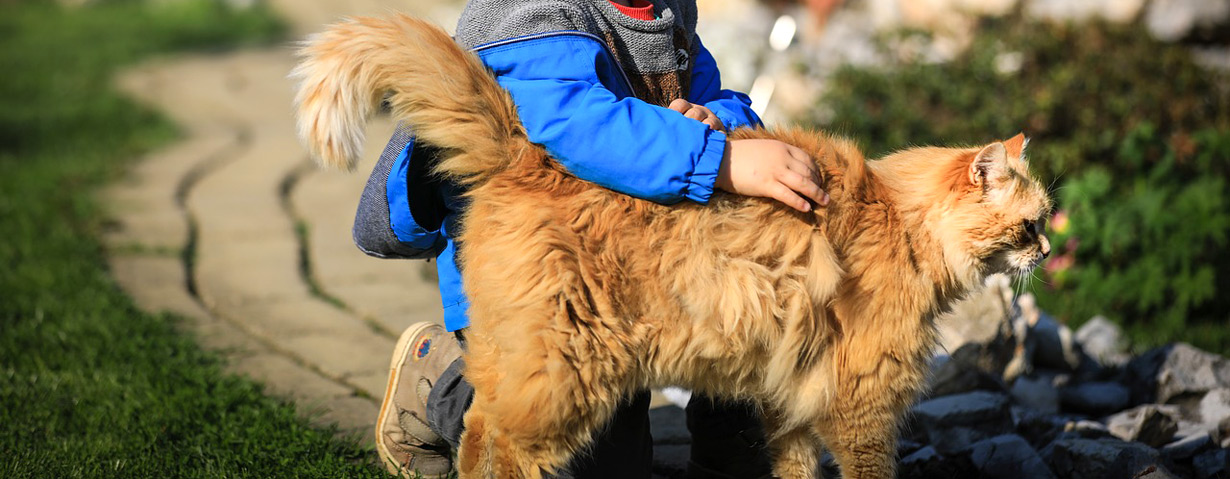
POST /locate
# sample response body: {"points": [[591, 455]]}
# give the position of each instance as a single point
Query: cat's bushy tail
{"points": [[443, 92]]}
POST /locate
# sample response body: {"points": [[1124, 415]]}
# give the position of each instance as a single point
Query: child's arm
{"points": [[636, 148], [771, 169], [625, 144], [764, 168], [698, 113], [760, 167]]}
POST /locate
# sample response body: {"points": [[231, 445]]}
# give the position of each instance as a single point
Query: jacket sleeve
{"points": [[604, 136], [732, 107], [401, 211]]}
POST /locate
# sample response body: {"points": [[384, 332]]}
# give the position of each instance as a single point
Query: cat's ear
{"points": [[988, 163], [1016, 146]]}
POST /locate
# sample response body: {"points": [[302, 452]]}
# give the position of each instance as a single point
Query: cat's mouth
{"points": [[1025, 264], [1019, 264]]}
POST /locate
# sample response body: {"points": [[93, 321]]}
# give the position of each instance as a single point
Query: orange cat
{"points": [[580, 296]]}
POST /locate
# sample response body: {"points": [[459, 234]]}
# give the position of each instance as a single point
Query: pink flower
{"points": [[1059, 263], [1070, 246], [1058, 268], [1060, 222]]}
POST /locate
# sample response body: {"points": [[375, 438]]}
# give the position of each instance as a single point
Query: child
{"points": [[623, 94]]}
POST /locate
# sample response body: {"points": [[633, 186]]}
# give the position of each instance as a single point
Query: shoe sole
{"points": [[399, 359]]}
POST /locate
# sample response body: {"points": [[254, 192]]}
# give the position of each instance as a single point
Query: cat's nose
{"points": [[1045, 246]]}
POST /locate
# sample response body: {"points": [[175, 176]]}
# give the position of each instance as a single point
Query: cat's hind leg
{"points": [[528, 437], [542, 392], [488, 452]]}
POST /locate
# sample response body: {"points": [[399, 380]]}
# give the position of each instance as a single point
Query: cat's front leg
{"points": [[864, 445], [796, 455]]}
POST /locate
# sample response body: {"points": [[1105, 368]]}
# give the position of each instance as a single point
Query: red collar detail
{"points": [[640, 9]]}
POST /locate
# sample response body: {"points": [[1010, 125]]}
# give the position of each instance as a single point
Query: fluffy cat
{"points": [[580, 295]]}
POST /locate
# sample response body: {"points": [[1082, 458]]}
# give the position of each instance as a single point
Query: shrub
{"points": [[1078, 91], [1133, 132], [1149, 249]]}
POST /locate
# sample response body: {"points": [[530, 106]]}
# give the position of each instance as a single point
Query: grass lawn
{"points": [[89, 385]]}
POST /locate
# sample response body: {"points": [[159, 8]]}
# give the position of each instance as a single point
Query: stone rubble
{"points": [[1215, 406], [1079, 458], [1056, 346], [1188, 447], [1215, 463], [1083, 407], [953, 423], [1175, 371], [1095, 398], [1037, 393], [1103, 341], [1008, 456], [1151, 424]]}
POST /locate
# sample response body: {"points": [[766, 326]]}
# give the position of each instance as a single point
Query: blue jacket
{"points": [[575, 101]]}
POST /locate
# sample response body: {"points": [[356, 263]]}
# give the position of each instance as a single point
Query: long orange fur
{"points": [[580, 295]]}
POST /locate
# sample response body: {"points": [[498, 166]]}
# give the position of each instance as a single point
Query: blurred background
{"points": [[151, 184]]}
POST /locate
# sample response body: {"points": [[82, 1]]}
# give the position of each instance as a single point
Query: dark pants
{"points": [[727, 438]]}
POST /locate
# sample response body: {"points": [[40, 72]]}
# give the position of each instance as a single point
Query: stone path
{"points": [[235, 229]]}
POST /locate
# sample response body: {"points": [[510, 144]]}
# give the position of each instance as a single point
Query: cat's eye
{"points": [[1030, 226]]}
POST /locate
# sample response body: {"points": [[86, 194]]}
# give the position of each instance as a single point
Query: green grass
{"points": [[89, 385]]}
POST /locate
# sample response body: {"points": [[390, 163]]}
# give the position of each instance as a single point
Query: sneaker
{"points": [[404, 441]]}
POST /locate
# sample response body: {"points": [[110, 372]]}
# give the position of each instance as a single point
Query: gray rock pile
{"points": [[1035, 399]]}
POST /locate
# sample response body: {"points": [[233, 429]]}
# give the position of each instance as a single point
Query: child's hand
{"points": [[698, 113], [771, 169]]}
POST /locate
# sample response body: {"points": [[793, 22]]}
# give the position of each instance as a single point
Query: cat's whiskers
{"points": [[1040, 278], [1018, 284], [1050, 189]]}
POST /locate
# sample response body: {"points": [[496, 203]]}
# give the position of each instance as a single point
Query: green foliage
{"points": [[1077, 93], [1147, 248], [89, 385], [1134, 134]]}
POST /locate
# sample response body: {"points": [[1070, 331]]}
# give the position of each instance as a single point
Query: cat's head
{"points": [[984, 206], [1012, 207]]}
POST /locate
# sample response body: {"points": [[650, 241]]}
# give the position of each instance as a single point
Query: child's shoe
{"points": [[404, 441]]}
